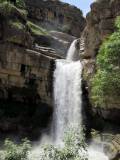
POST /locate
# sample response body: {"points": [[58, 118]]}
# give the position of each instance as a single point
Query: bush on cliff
{"points": [[106, 82]]}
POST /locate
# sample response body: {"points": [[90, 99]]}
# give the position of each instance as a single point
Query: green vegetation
{"points": [[74, 148], [19, 3], [8, 9], [106, 82], [13, 151], [5, 8], [36, 30], [16, 24]]}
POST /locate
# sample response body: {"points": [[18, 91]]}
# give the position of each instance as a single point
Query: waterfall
{"points": [[68, 100], [67, 93], [67, 103], [73, 51]]}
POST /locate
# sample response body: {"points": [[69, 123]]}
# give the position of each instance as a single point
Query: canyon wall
{"points": [[100, 24], [56, 15], [26, 76], [27, 62]]}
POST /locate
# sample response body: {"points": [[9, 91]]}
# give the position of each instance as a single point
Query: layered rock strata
{"points": [[56, 15]]}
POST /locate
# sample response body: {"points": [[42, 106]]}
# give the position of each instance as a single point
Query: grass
{"points": [[36, 30]]}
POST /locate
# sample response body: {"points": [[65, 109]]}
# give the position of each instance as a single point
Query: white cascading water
{"points": [[67, 93], [67, 102], [73, 52]]}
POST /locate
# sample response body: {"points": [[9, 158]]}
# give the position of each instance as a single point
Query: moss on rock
{"points": [[7, 9], [36, 30]]}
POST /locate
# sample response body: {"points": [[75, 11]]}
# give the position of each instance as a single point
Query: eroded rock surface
{"points": [[26, 77], [100, 24], [56, 15]]}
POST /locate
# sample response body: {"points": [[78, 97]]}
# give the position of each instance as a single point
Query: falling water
{"points": [[67, 97], [73, 52], [67, 102], [67, 93]]}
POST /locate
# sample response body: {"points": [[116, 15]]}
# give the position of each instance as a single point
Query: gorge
{"points": [[42, 93]]}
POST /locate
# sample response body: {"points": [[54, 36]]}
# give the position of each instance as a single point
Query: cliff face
{"points": [[100, 24], [62, 21], [26, 76], [56, 15], [27, 61]]}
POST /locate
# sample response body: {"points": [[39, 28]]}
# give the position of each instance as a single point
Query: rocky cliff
{"points": [[62, 21], [56, 15], [26, 72], [27, 60], [100, 24]]}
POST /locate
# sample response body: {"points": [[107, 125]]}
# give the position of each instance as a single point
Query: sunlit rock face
{"points": [[22, 63], [62, 21], [56, 15], [100, 24], [25, 79]]}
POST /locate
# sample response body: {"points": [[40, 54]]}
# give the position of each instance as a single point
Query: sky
{"points": [[84, 5]]}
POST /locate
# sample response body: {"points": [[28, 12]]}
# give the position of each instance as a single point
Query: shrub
{"points": [[106, 82], [13, 151], [74, 147]]}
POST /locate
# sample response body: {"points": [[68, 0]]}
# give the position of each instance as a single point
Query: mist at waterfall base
{"points": [[67, 104]]}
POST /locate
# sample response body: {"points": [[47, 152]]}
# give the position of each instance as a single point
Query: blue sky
{"points": [[84, 5]]}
